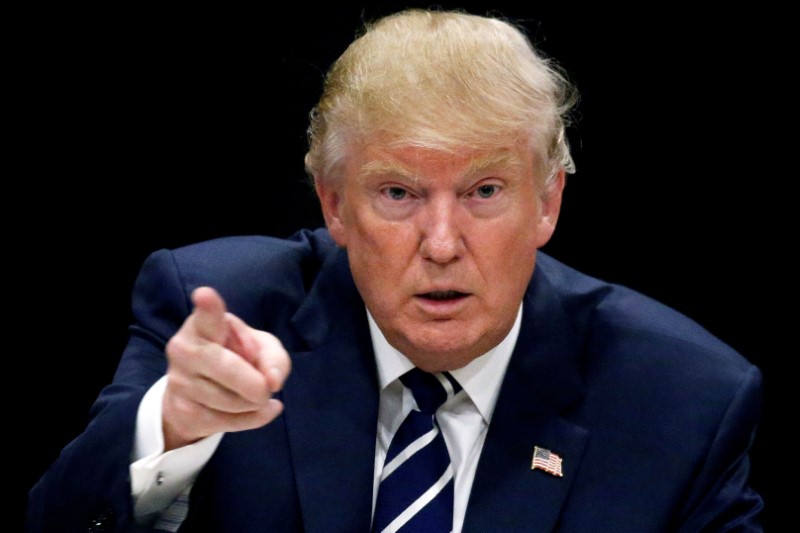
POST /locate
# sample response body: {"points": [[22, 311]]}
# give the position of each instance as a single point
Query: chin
{"points": [[441, 356]]}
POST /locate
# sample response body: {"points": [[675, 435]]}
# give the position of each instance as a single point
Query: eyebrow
{"points": [[476, 165]]}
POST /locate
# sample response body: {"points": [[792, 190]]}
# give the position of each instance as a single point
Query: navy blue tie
{"points": [[416, 489]]}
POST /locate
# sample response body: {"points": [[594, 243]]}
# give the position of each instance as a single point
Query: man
{"points": [[267, 383]]}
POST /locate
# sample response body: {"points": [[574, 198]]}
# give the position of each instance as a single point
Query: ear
{"points": [[550, 207], [330, 197]]}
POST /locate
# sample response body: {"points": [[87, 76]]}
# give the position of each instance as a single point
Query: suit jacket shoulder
{"points": [[646, 381], [263, 280], [609, 310]]}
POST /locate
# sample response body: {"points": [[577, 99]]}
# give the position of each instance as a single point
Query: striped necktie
{"points": [[416, 487]]}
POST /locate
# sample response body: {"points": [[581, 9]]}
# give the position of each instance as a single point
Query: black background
{"points": [[142, 128]]}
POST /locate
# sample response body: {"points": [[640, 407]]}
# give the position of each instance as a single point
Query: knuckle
{"points": [[177, 381], [177, 345], [226, 364]]}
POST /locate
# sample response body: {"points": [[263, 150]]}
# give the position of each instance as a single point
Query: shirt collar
{"points": [[481, 378]]}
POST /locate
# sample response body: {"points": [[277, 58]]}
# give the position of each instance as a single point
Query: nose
{"points": [[441, 234]]}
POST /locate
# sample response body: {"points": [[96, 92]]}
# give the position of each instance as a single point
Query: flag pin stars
{"points": [[544, 459]]}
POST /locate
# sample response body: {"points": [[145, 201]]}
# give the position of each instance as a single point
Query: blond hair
{"points": [[443, 80]]}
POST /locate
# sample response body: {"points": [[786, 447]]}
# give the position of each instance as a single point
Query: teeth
{"points": [[443, 295]]}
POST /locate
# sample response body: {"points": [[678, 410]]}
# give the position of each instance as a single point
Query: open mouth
{"points": [[441, 296]]}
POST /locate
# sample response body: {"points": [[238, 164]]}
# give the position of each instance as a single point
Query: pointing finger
{"points": [[209, 315]]}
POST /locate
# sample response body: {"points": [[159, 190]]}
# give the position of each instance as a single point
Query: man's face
{"points": [[441, 246]]}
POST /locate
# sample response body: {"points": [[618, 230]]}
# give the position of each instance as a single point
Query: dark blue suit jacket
{"points": [[652, 415]]}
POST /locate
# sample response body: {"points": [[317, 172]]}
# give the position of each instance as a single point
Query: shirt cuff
{"points": [[157, 478]]}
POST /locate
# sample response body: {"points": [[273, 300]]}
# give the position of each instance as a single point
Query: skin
{"points": [[442, 246], [221, 374]]}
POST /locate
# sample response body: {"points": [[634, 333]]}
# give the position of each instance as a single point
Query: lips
{"points": [[441, 296], [442, 304]]}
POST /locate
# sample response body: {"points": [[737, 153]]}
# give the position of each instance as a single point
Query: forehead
{"points": [[420, 163]]}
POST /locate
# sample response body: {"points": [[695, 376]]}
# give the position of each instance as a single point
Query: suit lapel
{"points": [[331, 404], [541, 382], [332, 429]]}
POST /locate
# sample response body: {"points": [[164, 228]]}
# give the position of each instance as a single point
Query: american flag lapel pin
{"points": [[546, 460]]}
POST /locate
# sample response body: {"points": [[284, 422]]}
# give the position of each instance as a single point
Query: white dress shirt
{"points": [[463, 419], [158, 478]]}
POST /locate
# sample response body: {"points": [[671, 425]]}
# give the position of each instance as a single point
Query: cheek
{"points": [[379, 251], [505, 255], [353, 228], [380, 272], [377, 235]]}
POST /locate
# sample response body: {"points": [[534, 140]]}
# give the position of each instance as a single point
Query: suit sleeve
{"points": [[721, 499], [88, 487]]}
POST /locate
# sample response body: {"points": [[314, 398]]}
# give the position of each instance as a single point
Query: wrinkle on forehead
{"points": [[478, 163]]}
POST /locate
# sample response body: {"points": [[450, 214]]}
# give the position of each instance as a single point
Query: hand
{"points": [[221, 375]]}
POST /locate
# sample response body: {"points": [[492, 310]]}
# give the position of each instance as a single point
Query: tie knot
{"points": [[430, 390]]}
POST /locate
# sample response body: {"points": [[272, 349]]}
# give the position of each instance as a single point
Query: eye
{"points": [[395, 193], [486, 191]]}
